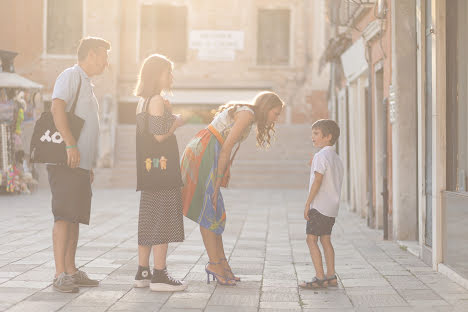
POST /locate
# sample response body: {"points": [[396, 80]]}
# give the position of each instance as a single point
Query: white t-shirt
{"points": [[328, 163]]}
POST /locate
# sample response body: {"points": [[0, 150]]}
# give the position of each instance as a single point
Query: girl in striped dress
{"points": [[205, 168]]}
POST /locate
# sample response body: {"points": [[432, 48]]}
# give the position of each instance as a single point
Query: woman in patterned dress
{"points": [[205, 168], [158, 175]]}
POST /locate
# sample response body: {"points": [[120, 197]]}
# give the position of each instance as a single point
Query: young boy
{"points": [[321, 208]]}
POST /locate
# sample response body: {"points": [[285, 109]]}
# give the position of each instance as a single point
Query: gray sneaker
{"points": [[81, 279], [64, 283]]}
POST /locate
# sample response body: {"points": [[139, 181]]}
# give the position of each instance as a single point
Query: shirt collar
{"points": [[83, 74], [328, 147], [81, 71]]}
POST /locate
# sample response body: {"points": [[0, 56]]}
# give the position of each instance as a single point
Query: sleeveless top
{"points": [[223, 123], [157, 162]]}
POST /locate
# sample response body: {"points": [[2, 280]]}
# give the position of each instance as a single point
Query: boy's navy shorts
{"points": [[319, 224]]}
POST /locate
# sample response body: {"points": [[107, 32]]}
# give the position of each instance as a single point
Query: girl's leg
{"points": [[210, 239], [143, 255], [223, 258], [160, 254]]}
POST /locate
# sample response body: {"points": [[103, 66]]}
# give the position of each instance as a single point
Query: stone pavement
{"points": [[265, 242]]}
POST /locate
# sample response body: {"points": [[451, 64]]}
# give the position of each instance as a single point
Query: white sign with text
{"points": [[216, 45]]}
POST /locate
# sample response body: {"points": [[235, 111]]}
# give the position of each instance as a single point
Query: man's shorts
{"points": [[319, 224], [71, 193]]}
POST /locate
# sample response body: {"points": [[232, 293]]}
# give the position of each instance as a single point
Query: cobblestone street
{"points": [[265, 240]]}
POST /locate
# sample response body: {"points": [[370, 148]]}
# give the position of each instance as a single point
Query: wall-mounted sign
{"points": [[216, 45]]}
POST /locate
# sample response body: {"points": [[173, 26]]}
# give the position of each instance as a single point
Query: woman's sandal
{"points": [[332, 281], [229, 271], [315, 283], [227, 282]]}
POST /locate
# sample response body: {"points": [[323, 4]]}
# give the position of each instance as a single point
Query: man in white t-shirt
{"points": [[321, 208]]}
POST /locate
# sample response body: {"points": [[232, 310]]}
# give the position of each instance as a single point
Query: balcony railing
{"points": [[344, 12]]}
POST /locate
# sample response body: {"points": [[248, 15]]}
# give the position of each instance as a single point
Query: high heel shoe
{"points": [[227, 282], [229, 271]]}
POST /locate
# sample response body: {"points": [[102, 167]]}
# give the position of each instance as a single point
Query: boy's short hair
{"points": [[328, 126], [91, 43]]}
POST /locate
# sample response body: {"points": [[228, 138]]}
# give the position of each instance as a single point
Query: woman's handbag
{"points": [[47, 144]]}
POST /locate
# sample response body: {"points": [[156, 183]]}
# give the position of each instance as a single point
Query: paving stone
{"points": [[234, 300], [342, 302], [279, 297], [36, 306], [377, 300], [199, 303], [268, 253], [428, 303], [214, 308], [71, 308], [279, 283], [170, 309], [134, 306], [97, 298], [419, 294], [273, 289], [364, 282]]}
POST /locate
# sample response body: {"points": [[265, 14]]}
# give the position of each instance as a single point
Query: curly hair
{"points": [[262, 104]]}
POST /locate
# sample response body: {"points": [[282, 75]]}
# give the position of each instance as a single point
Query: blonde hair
{"points": [[149, 78], [262, 104]]}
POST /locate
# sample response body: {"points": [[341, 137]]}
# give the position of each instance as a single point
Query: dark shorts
{"points": [[71, 193], [319, 224]]}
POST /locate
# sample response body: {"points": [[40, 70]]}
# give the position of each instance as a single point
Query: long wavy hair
{"points": [[262, 104]]}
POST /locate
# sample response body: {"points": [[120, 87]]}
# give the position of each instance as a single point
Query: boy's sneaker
{"points": [[81, 279], [143, 277], [161, 281], [64, 283]]}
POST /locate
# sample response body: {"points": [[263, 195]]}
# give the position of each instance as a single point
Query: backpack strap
{"points": [[72, 110]]}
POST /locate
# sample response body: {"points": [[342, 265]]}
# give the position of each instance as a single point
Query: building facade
{"points": [[222, 50], [442, 140], [398, 88]]}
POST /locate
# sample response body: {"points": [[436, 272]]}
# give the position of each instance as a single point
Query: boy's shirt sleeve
{"points": [[319, 164]]}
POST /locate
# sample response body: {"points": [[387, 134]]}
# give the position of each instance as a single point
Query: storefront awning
{"points": [[13, 80], [205, 96]]}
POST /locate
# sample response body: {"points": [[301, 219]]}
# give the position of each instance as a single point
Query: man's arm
{"points": [[61, 122], [312, 193]]}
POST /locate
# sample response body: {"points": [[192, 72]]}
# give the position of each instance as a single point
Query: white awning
{"points": [[13, 80], [205, 96]]}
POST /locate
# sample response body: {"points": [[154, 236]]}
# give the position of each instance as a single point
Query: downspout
{"points": [[117, 81]]}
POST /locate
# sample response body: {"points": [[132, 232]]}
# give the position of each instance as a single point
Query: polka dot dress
{"points": [[160, 219]]}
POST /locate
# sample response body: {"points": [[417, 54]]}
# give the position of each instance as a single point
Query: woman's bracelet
{"points": [[71, 146], [220, 175]]}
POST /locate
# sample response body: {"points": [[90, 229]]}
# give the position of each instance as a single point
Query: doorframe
{"points": [[421, 65], [439, 168], [380, 123]]}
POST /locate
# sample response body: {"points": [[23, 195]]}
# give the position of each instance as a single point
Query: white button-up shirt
{"points": [[87, 107], [328, 163]]}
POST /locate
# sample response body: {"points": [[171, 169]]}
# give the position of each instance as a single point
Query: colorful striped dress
{"points": [[199, 164]]}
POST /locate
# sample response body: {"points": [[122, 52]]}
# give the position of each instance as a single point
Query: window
{"points": [[64, 26], [164, 31], [273, 37]]}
